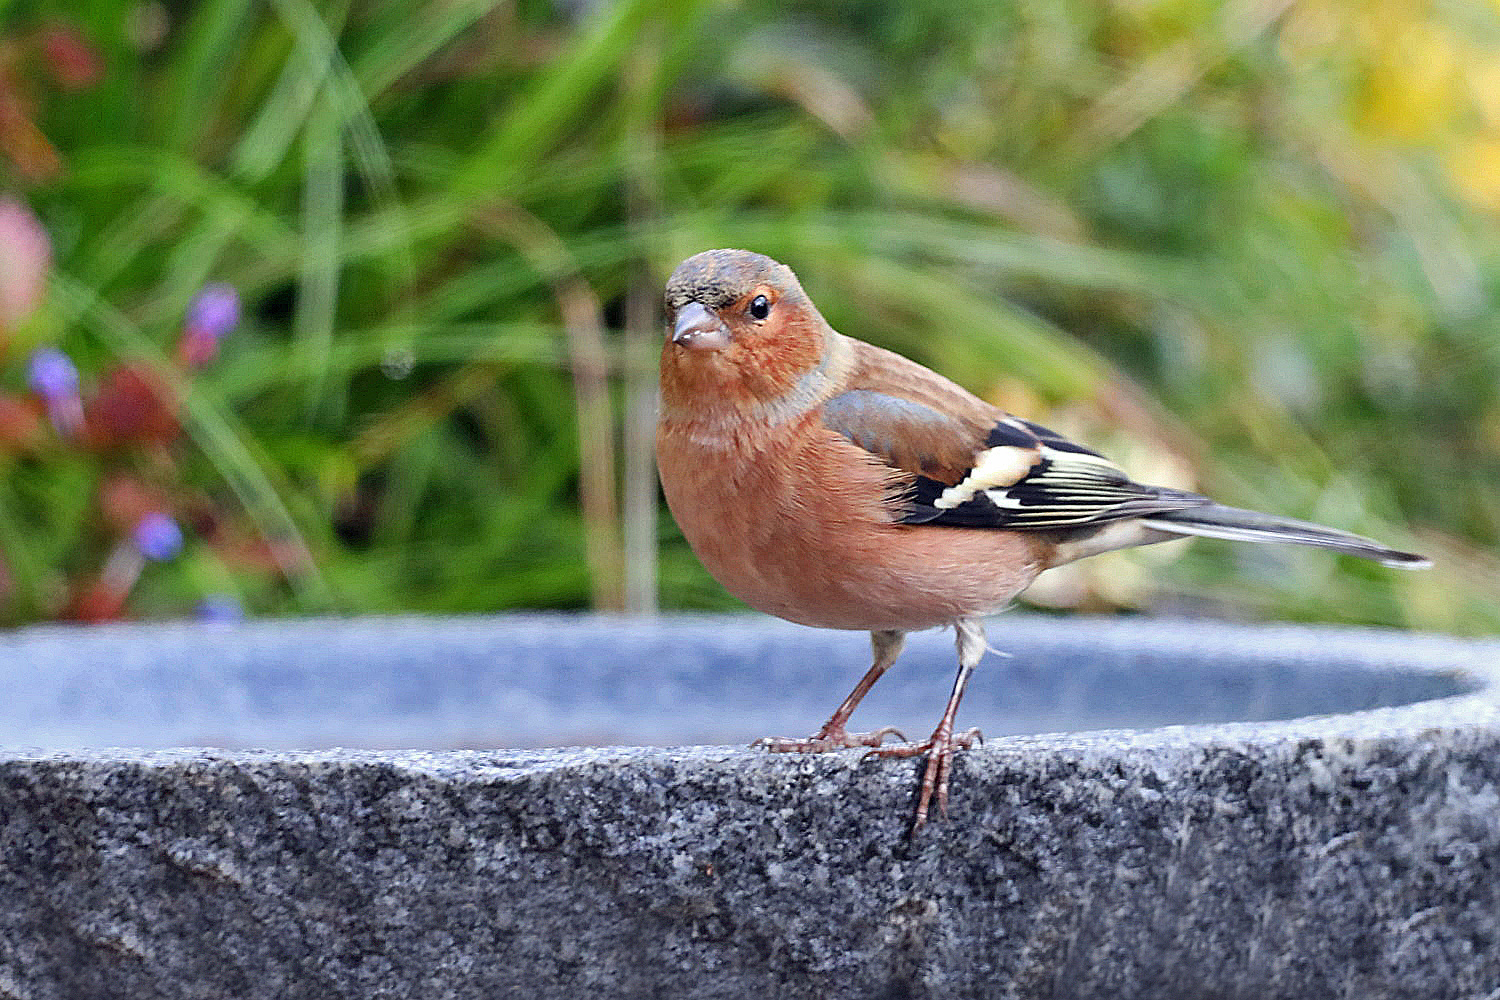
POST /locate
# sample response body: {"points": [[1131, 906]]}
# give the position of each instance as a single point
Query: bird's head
{"points": [[738, 325]]}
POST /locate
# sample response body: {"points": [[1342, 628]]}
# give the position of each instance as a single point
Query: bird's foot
{"points": [[828, 738], [939, 750]]}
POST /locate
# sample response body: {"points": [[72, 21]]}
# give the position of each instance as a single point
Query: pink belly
{"points": [[813, 541]]}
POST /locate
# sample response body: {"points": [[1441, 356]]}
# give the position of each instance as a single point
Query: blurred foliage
{"points": [[1247, 246]]}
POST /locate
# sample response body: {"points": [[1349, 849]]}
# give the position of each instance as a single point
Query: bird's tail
{"points": [[1217, 521]]}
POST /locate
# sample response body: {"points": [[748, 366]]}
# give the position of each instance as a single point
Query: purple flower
{"points": [[211, 316], [158, 537], [215, 310], [52, 375], [219, 608]]}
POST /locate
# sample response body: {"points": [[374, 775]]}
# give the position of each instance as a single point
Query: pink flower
{"points": [[23, 265]]}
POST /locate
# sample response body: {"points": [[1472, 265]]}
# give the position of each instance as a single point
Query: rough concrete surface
{"points": [[1344, 855]]}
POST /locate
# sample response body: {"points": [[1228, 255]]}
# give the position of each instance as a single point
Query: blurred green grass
{"points": [[1248, 246]]}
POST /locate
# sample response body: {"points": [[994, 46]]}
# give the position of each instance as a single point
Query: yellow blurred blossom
{"points": [[1415, 89], [1475, 168], [1484, 85]]}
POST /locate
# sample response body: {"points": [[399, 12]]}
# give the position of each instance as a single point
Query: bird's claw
{"points": [[827, 740], [961, 741], [939, 749]]}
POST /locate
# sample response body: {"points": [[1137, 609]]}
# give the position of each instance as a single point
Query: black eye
{"points": [[760, 307]]}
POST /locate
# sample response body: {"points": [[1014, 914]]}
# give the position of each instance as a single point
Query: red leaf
{"points": [[74, 61]]}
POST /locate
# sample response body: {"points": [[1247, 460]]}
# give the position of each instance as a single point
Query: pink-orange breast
{"points": [[801, 528]]}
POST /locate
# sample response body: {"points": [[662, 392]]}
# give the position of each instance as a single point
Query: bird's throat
{"points": [[722, 387]]}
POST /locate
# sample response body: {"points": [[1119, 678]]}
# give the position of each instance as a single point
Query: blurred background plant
{"points": [[1246, 246]]}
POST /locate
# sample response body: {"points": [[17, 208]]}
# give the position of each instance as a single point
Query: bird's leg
{"points": [[886, 645], [941, 746]]}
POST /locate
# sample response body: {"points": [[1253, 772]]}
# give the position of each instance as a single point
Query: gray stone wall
{"points": [[1345, 855]]}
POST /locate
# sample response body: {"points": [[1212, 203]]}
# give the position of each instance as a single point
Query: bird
{"points": [[833, 483]]}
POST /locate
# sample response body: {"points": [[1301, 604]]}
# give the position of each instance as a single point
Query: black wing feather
{"points": [[1070, 486]]}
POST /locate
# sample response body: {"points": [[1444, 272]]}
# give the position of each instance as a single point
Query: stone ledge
{"points": [[1349, 854]]}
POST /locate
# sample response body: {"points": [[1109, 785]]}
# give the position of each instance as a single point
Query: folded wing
{"points": [[960, 461]]}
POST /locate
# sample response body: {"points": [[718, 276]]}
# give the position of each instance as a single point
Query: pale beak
{"points": [[699, 328]]}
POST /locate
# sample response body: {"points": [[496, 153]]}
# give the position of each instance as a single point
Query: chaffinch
{"points": [[836, 484]]}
